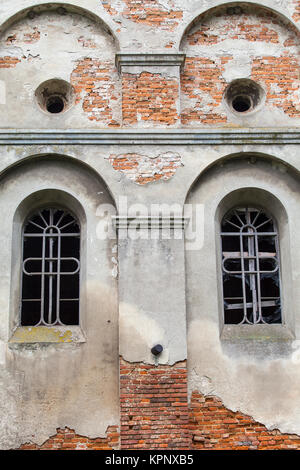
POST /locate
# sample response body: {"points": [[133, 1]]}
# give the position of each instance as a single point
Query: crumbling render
{"points": [[142, 169], [67, 439], [215, 427]]}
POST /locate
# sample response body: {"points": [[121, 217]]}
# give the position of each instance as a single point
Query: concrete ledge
{"points": [[150, 137], [265, 333], [47, 334], [136, 223], [160, 60]]}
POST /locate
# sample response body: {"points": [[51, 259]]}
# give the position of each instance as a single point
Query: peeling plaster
{"points": [[266, 389]]}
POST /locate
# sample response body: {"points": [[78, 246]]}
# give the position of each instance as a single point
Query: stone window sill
{"points": [[47, 334], [266, 333]]}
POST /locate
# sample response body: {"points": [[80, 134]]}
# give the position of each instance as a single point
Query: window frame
{"points": [[269, 203], [44, 334], [43, 275], [255, 278]]}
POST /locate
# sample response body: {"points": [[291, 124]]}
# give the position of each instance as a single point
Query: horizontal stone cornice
{"points": [[150, 222], [150, 137]]}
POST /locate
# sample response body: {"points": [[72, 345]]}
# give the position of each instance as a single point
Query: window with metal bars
{"points": [[50, 269], [250, 267]]}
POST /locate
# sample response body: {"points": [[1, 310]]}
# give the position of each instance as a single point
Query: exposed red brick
{"points": [[67, 439], [149, 97], [154, 408], [8, 62], [296, 14], [203, 83], [94, 82], [214, 427], [255, 27], [31, 36], [280, 76], [148, 12], [142, 169]]}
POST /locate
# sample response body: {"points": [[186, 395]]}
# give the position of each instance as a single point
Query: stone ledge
{"points": [[47, 334], [158, 60], [150, 137]]}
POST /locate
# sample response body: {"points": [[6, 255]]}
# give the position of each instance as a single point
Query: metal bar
{"points": [[42, 319], [245, 319], [260, 318], [58, 280], [48, 235], [246, 234], [250, 305], [50, 278]]}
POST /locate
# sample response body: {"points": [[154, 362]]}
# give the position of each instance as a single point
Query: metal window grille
{"points": [[50, 269], [250, 268]]}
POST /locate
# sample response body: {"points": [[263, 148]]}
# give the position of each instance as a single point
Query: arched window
{"points": [[250, 267], [50, 268]]}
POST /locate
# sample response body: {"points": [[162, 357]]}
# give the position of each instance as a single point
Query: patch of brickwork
{"points": [[148, 12], [296, 14], [94, 82], [280, 76], [142, 169], [149, 97], [154, 408], [203, 83], [67, 439], [214, 427], [8, 62], [29, 36]]}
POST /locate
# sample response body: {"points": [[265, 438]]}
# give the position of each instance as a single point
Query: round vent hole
{"points": [[241, 104], [55, 104]]}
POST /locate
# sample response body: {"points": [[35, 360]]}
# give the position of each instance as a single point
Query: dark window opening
{"points": [[50, 269], [250, 268]]}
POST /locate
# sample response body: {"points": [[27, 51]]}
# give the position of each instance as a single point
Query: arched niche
{"points": [[232, 182], [57, 51], [245, 45]]}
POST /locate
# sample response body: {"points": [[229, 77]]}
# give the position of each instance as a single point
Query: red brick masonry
{"points": [[155, 414], [154, 408]]}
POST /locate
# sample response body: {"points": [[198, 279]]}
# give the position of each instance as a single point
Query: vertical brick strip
{"points": [[154, 406]]}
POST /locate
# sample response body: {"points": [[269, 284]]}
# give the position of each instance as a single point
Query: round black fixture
{"points": [[157, 349]]}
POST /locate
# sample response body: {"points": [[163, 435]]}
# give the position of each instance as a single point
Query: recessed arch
{"points": [[252, 158], [64, 188], [238, 182], [35, 158], [203, 12], [69, 6], [239, 41]]}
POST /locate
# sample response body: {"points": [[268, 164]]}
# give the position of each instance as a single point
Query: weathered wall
{"points": [[231, 43], [59, 45], [65, 374], [148, 124]]}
